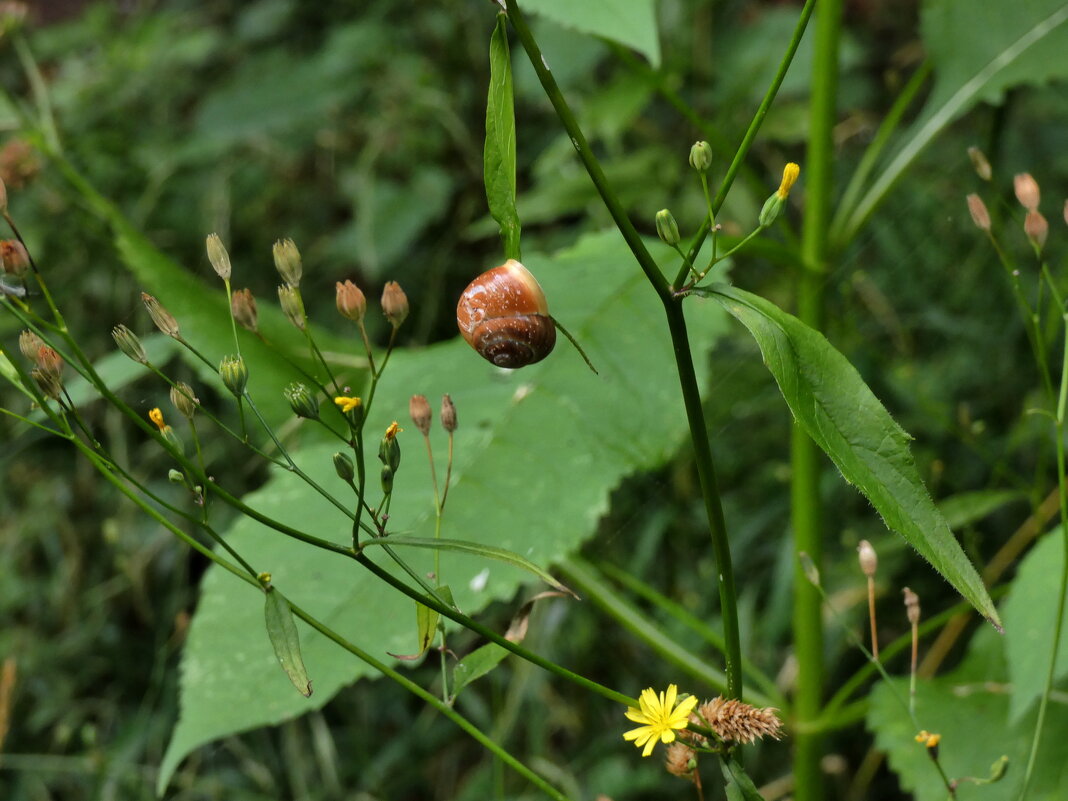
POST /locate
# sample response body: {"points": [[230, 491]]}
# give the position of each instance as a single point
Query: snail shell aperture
{"points": [[503, 315]]}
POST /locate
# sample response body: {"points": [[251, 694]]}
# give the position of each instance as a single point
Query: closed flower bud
{"points": [[219, 258], [14, 258], [387, 479], [666, 227], [789, 178], [1036, 228], [343, 467], [243, 307], [128, 342], [1026, 189], [867, 558], [49, 384], [292, 305], [48, 361], [301, 401], [163, 319], [701, 156], [175, 476], [979, 162], [448, 414], [771, 209], [29, 344], [980, 216], [184, 400], [394, 303], [351, 302], [389, 449], [287, 261], [234, 374], [420, 413]]}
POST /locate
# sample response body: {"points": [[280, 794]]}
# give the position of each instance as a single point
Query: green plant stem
{"points": [[751, 133], [695, 624], [805, 460], [490, 634], [680, 343], [446, 710]]}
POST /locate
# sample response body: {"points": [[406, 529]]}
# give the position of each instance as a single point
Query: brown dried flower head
{"points": [[1036, 228], [1026, 189], [448, 414], [217, 255], [394, 303], [29, 344], [735, 721], [419, 409], [912, 605], [351, 303], [243, 306], [49, 362], [680, 760], [163, 319], [15, 259], [977, 208]]}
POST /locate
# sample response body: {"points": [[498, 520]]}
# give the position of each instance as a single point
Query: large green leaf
{"points": [[834, 406], [629, 22], [1030, 618], [978, 50], [538, 453], [970, 709]]}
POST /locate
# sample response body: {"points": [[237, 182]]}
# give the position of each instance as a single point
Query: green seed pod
{"points": [[343, 467], [127, 342], [301, 401], [666, 228], [184, 400], [287, 261], [387, 480], [701, 156], [292, 305], [234, 374]]}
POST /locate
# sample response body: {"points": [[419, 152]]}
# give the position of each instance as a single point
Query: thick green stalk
{"points": [[805, 459], [680, 343]]}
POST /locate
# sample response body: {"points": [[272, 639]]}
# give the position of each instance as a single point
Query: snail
{"points": [[503, 315]]}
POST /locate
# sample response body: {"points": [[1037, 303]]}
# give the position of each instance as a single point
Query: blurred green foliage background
{"points": [[355, 128]]}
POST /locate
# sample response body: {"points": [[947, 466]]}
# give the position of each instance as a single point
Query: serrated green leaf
{"points": [[282, 632], [473, 549], [538, 453], [834, 406], [499, 153], [1030, 618], [629, 22]]}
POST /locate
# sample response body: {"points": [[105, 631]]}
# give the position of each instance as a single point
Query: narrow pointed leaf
{"points": [[499, 153], [285, 640], [834, 406]]}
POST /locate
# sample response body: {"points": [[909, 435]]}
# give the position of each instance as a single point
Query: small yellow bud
{"points": [[392, 431], [347, 404], [789, 178], [156, 416]]}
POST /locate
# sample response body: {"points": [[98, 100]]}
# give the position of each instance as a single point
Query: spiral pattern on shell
{"points": [[504, 316]]}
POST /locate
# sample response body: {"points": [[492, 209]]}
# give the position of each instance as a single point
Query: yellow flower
{"points": [[156, 416], [789, 176], [659, 717], [393, 430], [347, 404]]}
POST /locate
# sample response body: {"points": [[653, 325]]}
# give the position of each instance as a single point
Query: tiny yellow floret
{"points": [[393, 430], [789, 178], [347, 404], [659, 716], [156, 416]]}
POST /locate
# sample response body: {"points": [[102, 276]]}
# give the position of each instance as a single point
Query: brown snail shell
{"points": [[503, 315]]}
